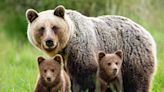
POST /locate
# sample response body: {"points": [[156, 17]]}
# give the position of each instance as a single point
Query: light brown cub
{"points": [[52, 75], [109, 72]]}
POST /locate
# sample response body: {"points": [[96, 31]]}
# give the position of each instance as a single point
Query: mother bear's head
{"points": [[48, 30]]}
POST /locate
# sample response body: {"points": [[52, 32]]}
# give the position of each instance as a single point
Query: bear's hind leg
{"points": [[76, 87], [92, 83], [140, 82]]}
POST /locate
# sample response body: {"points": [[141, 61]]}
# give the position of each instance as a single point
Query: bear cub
{"points": [[52, 75], [109, 71]]}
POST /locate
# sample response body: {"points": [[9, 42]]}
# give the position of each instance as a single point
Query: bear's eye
{"points": [[116, 63], [109, 64], [41, 30], [54, 28], [52, 70], [45, 70]]}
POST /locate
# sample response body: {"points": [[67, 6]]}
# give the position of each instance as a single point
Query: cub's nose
{"points": [[114, 71], [49, 43], [49, 79]]}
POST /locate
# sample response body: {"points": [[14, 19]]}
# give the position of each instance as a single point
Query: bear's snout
{"points": [[49, 43], [115, 71], [48, 79]]}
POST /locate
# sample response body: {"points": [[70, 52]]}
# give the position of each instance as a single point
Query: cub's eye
{"points": [[54, 28], [109, 64], [45, 70], [52, 70], [116, 63]]}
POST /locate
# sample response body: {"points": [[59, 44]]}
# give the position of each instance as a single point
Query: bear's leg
{"points": [[117, 84], [92, 83], [39, 87], [76, 86], [146, 87], [104, 88], [135, 81], [92, 88], [82, 84]]}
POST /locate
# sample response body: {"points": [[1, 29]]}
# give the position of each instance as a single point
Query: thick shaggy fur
{"points": [[111, 33], [88, 35]]}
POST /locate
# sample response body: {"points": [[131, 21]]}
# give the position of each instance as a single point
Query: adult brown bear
{"points": [[79, 38]]}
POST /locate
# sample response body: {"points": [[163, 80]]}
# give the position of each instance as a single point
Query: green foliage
{"points": [[139, 10], [18, 59], [16, 27]]}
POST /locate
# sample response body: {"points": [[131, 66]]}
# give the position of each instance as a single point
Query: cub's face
{"points": [[50, 68], [48, 30], [110, 63]]}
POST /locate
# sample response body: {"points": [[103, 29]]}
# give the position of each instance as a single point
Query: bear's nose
{"points": [[49, 43], [114, 71], [49, 79]]}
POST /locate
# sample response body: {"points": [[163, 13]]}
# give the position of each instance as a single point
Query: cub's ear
{"points": [[40, 60], [58, 58], [119, 53], [59, 11], [31, 15], [101, 55]]}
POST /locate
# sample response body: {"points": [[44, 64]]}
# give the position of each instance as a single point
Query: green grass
{"points": [[18, 66], [158, 84]]}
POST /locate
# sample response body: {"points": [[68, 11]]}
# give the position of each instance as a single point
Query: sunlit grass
{"points": [[18, 66]]}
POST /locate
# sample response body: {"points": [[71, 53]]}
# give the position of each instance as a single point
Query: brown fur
{"points": [[53, 69], [78, 38], [109, 73]]}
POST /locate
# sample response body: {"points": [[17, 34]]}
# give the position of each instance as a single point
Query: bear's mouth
{"points": [[50, 49]]}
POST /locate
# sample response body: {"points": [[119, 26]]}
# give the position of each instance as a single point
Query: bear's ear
{"points": [[40, 60], [119, 53], [58, 58], [31, 15], [59, 11], [101, 55]]}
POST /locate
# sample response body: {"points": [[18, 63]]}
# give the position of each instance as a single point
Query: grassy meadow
{"points": [[18, 58]]}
